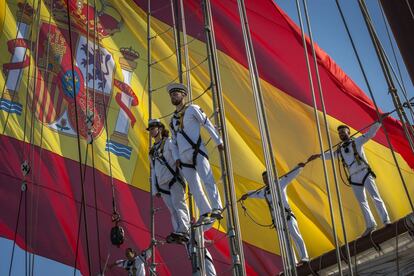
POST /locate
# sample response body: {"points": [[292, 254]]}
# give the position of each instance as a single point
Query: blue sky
{"points": [[329, 33]]}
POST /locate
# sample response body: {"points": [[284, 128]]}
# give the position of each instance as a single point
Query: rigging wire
{"points": [[399, 80], [233, 227], [25, 165], [82, 208], [374, 101], [408, 129], [322, 101], [270, 161], [298, 8]]}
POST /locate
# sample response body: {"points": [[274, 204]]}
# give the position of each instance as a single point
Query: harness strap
{"points": [[369, 172], [289, 214], [196, 148], [357, 159]]}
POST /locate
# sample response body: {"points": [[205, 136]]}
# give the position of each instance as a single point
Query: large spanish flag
{"points": [[43, 110]]}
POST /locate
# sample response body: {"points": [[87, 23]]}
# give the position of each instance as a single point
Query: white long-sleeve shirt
{"points": [[283, 182], [158, 169], [137, 264], [349, 156], [194, 117]]}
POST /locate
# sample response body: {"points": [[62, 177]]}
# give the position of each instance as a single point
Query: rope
{"points": [[397, 249], [161, 33], [152, 214], [31, 260], [114, 207], [15, 232], [93, 153], [162, 59], [246, 213], [24, 186], [401, 80], [319, 133], [408, 129], [374, 101], [275, 191], [79, 145]]}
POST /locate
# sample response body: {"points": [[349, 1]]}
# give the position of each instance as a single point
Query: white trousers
{"points": [[208, 264], [175, 202], [203, 171], [361, 196], [297, 238]]}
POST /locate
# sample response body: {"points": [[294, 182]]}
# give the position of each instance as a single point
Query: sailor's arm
{"points": [[369, 134], [254, 194], [202, 118], [146, 254], [285, 180]]}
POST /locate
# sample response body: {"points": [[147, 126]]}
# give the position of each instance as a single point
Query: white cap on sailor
{"points": [[154, 123], [177, 87]]}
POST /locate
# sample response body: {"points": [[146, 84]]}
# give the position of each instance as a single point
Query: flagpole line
{"points": [[270, 161], [328, 135], [197, 234], [318, 126], [153, 266], [31, 260], [375, 103], [409, 131], [98, 235], [399, 79], [83, 203], [233, 223], [176, 32]]}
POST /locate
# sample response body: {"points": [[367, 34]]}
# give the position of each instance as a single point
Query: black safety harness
{"points": [[288, 211], [157, 153], [179, 122], [358, 159]]}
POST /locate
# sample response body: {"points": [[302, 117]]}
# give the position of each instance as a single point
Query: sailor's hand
{"points": [[301, 164], [244, 197], [178, 163], [313, 157], [220, 147]]}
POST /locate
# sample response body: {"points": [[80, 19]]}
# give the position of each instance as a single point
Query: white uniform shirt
{"points": [[283, 181], [137, 265], [159, 170], [349, 156], [194, 117]]}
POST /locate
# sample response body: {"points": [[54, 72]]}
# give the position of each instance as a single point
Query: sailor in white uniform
{"points": [[167, 181], [185, 127], [293, 228], [359, 173], [134, 264]]}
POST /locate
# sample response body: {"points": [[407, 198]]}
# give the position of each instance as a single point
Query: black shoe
{"points": [[216, 213], [170, 238], [204, 220]]}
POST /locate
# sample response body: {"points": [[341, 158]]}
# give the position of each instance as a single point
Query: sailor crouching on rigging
{"points": [[185, 127], [134, 264], [293, 228], [359, 173], [167, 181]]}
